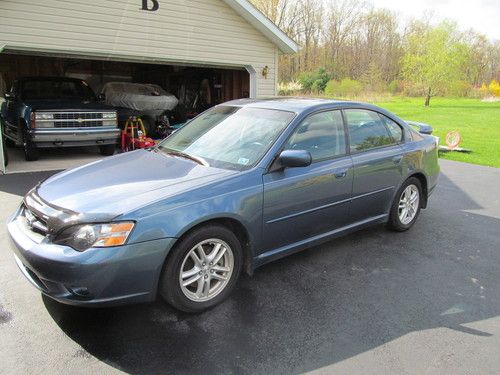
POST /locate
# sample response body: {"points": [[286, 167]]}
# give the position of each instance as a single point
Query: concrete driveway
{"points": [[424, 301]]}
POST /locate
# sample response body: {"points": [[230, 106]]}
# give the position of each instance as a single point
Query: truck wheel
{"points": [[107, 150], [30, 150]]}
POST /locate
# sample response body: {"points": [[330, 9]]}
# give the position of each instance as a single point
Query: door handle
{"points": [[397, 159], [341, 173]]}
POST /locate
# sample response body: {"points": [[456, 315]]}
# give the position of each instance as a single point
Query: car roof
{"points": [[295, 104]]}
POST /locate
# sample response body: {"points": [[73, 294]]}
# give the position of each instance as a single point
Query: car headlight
{"points": [[44, 116], [83, 237], [109, 115]]}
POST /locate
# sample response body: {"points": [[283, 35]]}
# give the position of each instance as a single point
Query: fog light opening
{"points": [[80, 292]]}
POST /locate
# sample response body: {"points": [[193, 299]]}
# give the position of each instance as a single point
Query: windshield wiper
{"points": [[181, 154]]}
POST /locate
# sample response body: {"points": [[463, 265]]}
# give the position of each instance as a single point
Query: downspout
{"points": [[253, 81]]}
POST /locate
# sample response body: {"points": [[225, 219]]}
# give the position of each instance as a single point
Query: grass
{"points": [[477, 122]]}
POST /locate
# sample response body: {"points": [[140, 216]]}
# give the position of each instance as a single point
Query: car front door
{"points": [[300, 203], [377, 159]]}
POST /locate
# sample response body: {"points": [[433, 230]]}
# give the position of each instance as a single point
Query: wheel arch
{"points": [[237, 227], [424, 184]]}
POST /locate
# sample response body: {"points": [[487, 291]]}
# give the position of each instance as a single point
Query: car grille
{"points": [[34, 222], [77, 119]]}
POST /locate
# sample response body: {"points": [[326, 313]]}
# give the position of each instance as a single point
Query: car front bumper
{"points": [[95, 277]]}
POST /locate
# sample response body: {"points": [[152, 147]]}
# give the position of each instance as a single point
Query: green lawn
{"points": [[476, 121]]}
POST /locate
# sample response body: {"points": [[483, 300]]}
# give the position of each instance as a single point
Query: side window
{"points": [[394, 129], [366, 130], [322, 134]]}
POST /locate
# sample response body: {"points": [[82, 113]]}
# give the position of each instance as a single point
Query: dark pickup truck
{"points": [[41, 112]]}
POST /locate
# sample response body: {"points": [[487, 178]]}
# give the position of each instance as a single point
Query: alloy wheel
{"points": [[408, 204], [206, 270]]}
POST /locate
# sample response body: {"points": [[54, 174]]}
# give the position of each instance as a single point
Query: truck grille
{"points": [[77, 119]]}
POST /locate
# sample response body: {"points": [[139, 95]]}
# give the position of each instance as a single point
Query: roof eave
{"points": [[264, 25]]}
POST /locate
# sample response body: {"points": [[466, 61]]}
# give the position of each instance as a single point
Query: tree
{"points": [[434, 59], [351, 39]]}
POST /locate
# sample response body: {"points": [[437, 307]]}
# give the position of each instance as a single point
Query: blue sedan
{"points": [[243, 184]]}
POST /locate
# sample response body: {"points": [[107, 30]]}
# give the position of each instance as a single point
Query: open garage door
{"points": [[196, 88]]}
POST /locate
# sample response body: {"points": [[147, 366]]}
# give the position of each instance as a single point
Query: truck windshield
{"points": [[228, 137], [39, 89]]}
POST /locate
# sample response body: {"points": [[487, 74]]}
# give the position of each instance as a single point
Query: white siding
{"points": [[205, 32]]}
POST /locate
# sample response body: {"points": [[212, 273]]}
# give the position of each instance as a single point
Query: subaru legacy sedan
{"points": [[243, 184]]}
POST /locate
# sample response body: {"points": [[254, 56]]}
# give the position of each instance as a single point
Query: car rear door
{"points": [[300, 203], [376, 157]]}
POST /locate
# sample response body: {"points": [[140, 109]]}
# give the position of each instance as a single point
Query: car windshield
{"points": [[39, 89], [228, 137]]}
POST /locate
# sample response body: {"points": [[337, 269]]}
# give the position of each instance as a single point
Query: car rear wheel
{"points": [[107, 150], [406, 206], [202, 269]]}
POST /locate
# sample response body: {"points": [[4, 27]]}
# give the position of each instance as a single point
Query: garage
{"points": [[203, 52]]}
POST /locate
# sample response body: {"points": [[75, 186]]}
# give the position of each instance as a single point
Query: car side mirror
{"points": [[295, 158], [101, 97], [9, 96]]}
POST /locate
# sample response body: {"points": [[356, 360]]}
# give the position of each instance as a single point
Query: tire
{"points": [[189, 298], [398, 221], [107, 150], [30, 150]]}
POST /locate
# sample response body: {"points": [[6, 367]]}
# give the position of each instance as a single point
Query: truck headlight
{"points": [[83, 237], [109, 115]]}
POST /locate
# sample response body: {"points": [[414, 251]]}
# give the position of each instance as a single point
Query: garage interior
{"points": [[189, 83]]}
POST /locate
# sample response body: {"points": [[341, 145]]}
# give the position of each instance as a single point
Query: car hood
{"points": [[73, 104], [122, 183]]}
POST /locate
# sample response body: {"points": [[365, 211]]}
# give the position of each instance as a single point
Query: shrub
{"points": [[289, 88], [314, 81], [394, 87], [331, 88], [306, 79], [459, 89], [484, 90], [346, 87], [317, 87], [494, 88], [349, 87]]}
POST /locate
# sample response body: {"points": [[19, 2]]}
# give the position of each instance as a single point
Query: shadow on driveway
{"points": [[20, 183], [317, 307]]}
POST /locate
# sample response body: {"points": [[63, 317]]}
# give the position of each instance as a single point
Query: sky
{"points": [[480, 15]]}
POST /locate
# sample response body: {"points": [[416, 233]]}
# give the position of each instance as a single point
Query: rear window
{"points": [[394, 129], [366, 130]]}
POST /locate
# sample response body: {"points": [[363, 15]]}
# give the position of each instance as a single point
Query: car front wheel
{"points": [[406, 206], [202, 269]]}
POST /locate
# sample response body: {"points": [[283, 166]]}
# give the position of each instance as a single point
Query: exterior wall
{"points": [[205, 32]]}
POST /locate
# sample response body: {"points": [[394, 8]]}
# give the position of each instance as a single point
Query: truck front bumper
{"points": [[75, 137]]}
